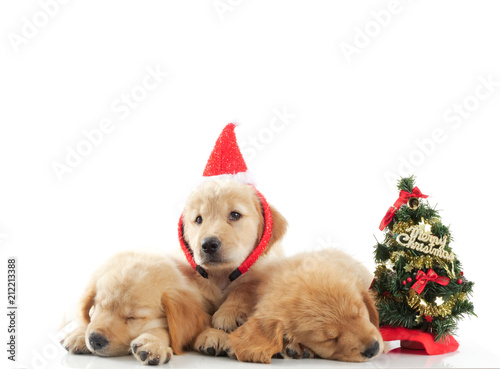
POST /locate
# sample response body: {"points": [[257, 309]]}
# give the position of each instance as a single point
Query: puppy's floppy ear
{"points": [[87, 301], [370, 306], [257, 340], [279, 226], [185, 317]]}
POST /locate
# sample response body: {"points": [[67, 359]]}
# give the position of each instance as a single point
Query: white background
{"points": [[358, 119]]}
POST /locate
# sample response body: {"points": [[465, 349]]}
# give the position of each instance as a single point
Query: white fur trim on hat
{"points": [[242, 177]]}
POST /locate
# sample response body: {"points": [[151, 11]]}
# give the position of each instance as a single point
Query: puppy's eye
{"points": [[331, 337], [199, 219], [133, 318], [234, 215]]}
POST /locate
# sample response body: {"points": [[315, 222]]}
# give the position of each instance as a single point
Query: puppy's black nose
{"points": [[371, 350], [210, 245], [97, 341]]}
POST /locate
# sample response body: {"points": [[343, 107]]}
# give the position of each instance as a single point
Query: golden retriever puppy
{"points": [[314, 302], [138, 303], [223, 222]]}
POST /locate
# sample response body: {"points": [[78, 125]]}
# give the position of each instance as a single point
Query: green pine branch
{"points": [[440, 230], [382, 252], [406, 184], [396, 314]]}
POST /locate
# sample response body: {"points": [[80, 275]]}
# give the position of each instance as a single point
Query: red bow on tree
{"points": [[431, 276], [404, 196]]}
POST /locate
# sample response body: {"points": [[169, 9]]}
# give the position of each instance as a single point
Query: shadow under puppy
{"points": [[138, 303], [312, 302]]}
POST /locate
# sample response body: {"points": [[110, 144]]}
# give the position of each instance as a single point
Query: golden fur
{"points": [[317, 302], [214, 201], [142, 304]]}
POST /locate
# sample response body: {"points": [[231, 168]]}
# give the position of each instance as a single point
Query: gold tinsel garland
{"points": [[380, 270], [417, 262], [424, 262], [401, 227], [420, 262], [431, 309]]}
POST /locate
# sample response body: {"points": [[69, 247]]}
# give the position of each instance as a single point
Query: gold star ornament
{"points": [[424, 226], [408, 268]]}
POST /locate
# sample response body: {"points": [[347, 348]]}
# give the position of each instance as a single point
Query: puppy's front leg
{"points": [[152, 347], [257, 340], [236, 308]]}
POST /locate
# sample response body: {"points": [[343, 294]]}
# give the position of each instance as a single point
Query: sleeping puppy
{"points": [[223, 222], [312, 302], [141, 304]]}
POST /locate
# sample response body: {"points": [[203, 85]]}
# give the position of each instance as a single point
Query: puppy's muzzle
{"points": [[98, 341], [210, 245]]}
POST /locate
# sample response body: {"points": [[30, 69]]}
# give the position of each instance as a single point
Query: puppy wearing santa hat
{"points": [[228, 232]]}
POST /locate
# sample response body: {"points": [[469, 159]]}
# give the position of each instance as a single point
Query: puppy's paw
{"points": [[256, 356], [151, 350], [296, 351], [213, 342], [228, 319], [74, 341]]}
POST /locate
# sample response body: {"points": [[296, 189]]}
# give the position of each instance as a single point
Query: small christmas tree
{"points": [[420, 288]]}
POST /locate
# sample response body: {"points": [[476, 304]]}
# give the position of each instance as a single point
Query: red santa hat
{"points": [[226, 161]]}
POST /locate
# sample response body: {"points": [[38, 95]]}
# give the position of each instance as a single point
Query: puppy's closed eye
{"points": [[329, 337], [334, 340], [132, 318]]}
